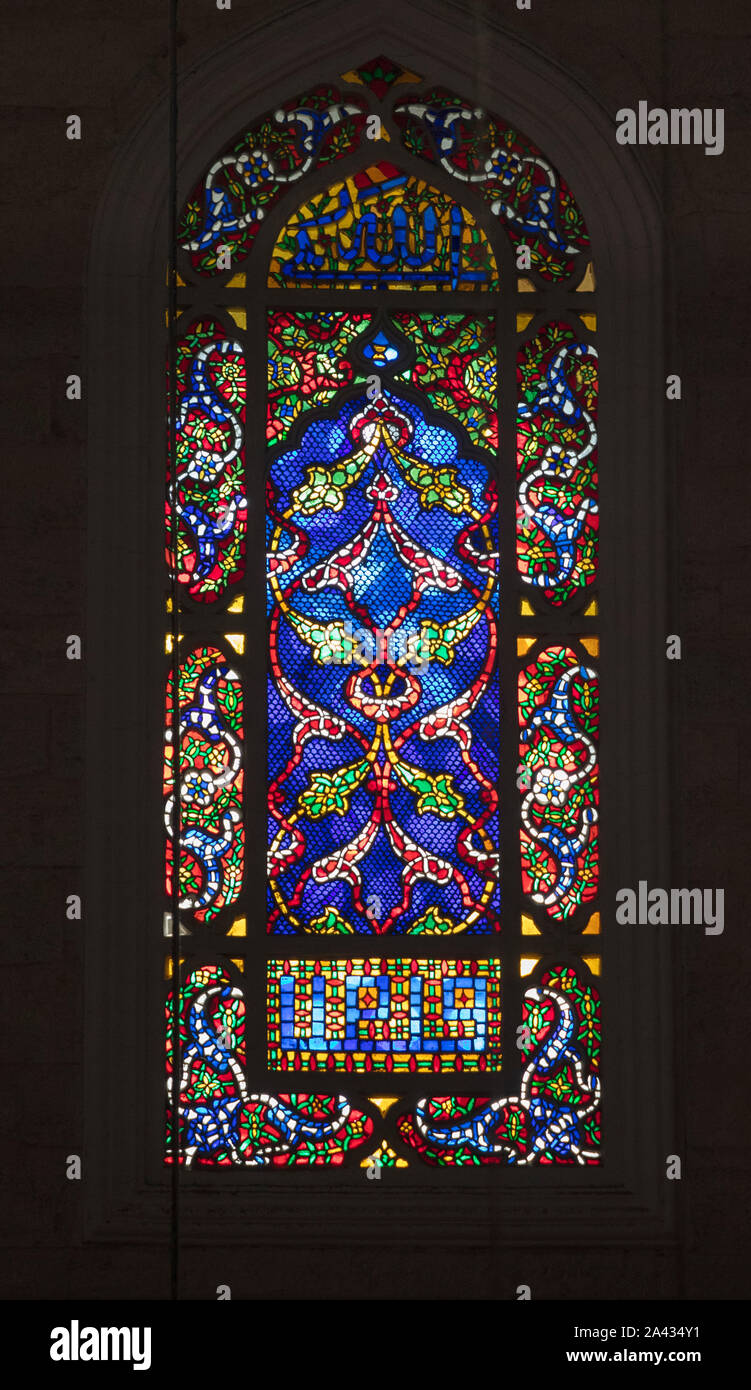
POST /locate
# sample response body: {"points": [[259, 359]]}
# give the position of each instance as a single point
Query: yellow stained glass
{"points": [[405, 76], [385, 1158], [384, 1103], [588, 283]]}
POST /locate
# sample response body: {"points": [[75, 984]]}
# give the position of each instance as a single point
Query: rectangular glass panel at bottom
{"points": [[385, 1015]]}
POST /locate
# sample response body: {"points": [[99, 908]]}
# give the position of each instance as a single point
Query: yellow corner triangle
{"points": [[588, 283], [384, 1103]]}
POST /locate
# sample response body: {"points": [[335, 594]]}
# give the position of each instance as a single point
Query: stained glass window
{"points": [[381, 790]]}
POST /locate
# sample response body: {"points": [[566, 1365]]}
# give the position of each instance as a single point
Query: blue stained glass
{"points": [[383, 696]]}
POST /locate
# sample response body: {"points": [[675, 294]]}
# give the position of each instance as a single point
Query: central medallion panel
{"points": [[383, 701]]}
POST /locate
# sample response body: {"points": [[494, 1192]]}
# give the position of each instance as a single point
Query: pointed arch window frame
{"points": [[127, 1191]]}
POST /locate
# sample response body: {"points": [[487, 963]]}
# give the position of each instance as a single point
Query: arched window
{"points": [[408, 718], [382, 381]]}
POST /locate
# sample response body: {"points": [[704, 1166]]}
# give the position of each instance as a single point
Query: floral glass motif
{"points": [[454, 365], [227, 207], [557, 512], [382, 229], [556, 1116], [558, 717], [210, 742], [508, 172], [222, 1121], [209, 491], [383, 692]]}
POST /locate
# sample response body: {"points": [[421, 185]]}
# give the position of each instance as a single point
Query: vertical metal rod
{"points": [[175, 664]]}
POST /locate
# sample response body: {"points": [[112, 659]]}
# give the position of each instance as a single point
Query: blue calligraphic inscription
{"points": [[420, 1015]]}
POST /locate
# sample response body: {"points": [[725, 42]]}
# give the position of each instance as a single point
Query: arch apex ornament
{"points": [[380, 75]]}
